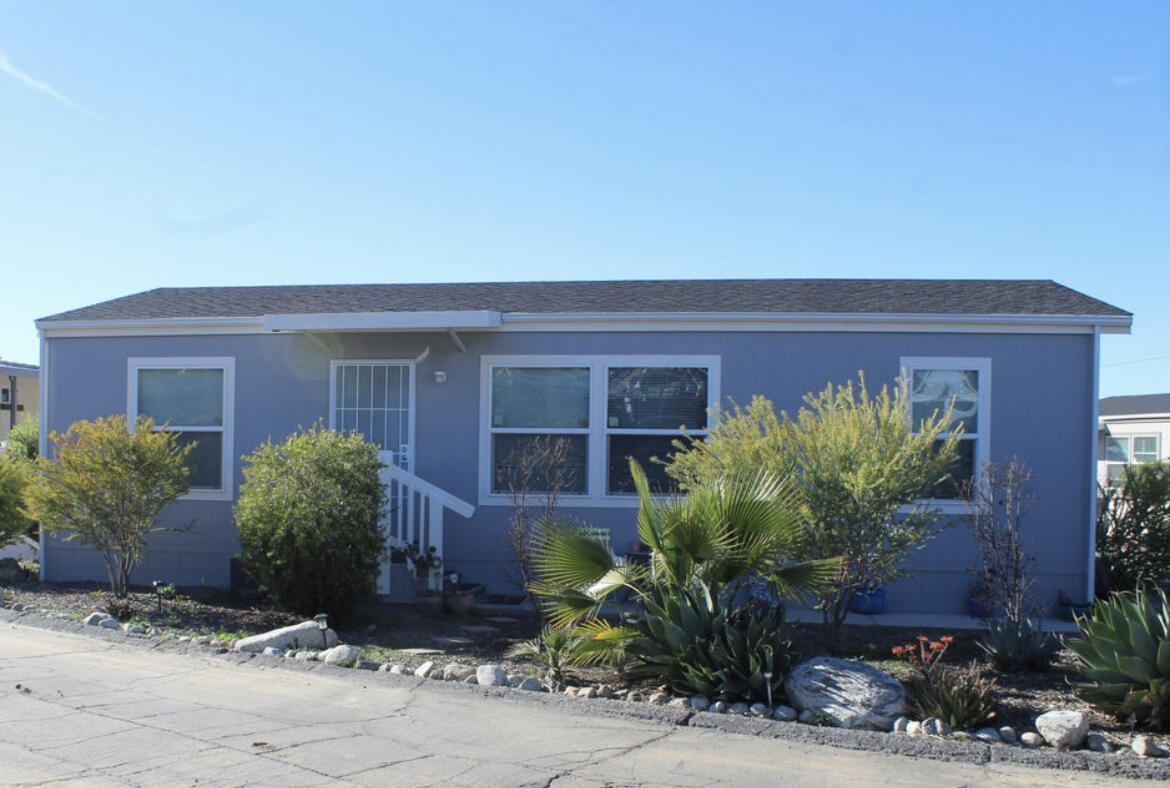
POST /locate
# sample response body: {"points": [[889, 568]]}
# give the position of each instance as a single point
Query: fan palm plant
{"points": [[677, 618]]}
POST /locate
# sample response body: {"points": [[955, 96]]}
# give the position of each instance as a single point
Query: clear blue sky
{"points": [[156, 144]]}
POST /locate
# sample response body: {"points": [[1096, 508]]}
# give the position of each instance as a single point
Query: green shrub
{"points": [[106, 486], [16, 475], [1124, 651], [963, 699], [309, 516], [1133, 527], [552, 653], [1018, 646], [24, 440]]}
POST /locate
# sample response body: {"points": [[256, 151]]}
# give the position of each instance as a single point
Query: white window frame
{"points": [[1131, 439], [411, 365], [597, 449], [982, 436], [227, 364]]}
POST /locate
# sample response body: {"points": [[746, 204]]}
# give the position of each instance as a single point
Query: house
{"points": [[451, 378], [1131, 429], [19, 395]]}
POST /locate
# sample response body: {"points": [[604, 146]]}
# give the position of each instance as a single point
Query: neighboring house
{"points": [[1132, 429], [19, 395], [22, 548], [450, 378]]}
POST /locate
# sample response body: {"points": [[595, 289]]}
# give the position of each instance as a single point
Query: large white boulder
{"points": [[304, 635], [1064, 730], [850, 694], [491, 676]]}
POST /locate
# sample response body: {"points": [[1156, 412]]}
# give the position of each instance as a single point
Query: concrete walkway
{"points": [[88, 711]]}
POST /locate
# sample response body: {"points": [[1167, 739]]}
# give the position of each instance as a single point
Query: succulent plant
{"points": [[1018, 645], [964, 699], [1124, 651]]}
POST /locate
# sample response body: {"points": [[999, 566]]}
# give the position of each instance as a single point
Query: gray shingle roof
{"points": [[1134, 405], [791, 296]]}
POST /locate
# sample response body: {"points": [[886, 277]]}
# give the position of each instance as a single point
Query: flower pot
{"points": [[869, 601]]}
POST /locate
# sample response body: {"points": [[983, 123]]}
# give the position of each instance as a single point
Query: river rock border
{"points": [[657, 707]]}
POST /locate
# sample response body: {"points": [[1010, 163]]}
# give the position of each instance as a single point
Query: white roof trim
{"points": [[381, 321], [576, 321]]}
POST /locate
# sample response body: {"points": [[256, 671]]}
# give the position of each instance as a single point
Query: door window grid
{"points": [[373, 399]]}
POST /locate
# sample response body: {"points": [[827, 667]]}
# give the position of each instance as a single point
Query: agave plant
{"points": [[552, 653], [1018, 645], [965, 700], [678, 622], [1124, 651]]}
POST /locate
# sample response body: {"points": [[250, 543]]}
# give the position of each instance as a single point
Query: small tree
{"points": [[24, 440], [1000, 499], [106, 487], [309, 519], [1133, 527], [15, 477], [863, 466]]}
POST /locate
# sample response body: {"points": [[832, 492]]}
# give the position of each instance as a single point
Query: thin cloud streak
{"points": [[29, 81], [1131, 79]]}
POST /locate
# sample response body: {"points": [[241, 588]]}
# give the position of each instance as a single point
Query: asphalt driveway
{"points": [[83, 710]]}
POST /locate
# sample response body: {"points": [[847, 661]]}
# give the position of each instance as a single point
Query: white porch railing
{"points": [[415, 516]]}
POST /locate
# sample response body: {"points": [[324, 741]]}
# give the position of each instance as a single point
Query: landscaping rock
{"points": [[658, 698], [108, 623], [272, 651], [514, 680], [344, 656], [963, 736], [397, 669], [933, 726], [491, 676], [202, 640], [423, 670], [989, 735], [1031, 739], [1146, 747], [436, 674], [571, 692], [531, 685], [17, 607], [94, 619], [635, 697], [900, 724], [1064, 730], [850, 694], [133, 629], [677, 703], [739, 708], [604, 691], [457, 671], [719, 707], [471, 679], [305, 634], [587, 692], [1098, 743], [1007, 734], [914, 728], [785, 714], [700, 702], [305, 656], [759, 710]]}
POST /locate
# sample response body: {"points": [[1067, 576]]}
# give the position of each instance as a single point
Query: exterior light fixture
{"points": [[440, 376], [322, 620], [157, 585], [768, 686]]}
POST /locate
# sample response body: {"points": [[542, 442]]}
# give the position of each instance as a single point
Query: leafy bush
{"points": [[682, 624], [106, 487], [859, 461], [962, 699], [1124, 651], [15, 477], [1018, 645], [24, 440], [309, 516], [1133, 527]]}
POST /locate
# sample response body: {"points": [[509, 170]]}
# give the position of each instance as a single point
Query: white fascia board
{"points": [[773, 321], [169, 326], [382, 321]]}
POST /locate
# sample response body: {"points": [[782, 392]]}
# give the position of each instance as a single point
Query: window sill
{"points": [[946, 506], [207, 495], [567, 501]]}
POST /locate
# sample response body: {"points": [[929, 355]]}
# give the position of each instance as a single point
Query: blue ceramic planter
{"points": [[869, 602]]}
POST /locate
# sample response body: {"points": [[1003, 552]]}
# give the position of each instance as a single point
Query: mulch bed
{"points": [[406, 634]]}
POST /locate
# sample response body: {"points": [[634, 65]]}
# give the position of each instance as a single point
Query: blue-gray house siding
{"points": [[1041, 409]]}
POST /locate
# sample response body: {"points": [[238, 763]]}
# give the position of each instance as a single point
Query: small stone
{"points": [[900, 724], [290, 654], [491, 676], [1146, 747], [202, 640], [914, 728], [933, 726], [397, 669], [677, 703], [134, 629], [457, 671], [587, 692], [1064, 730], [17, 607], [1031, 739], [272, 651], [759, 710], [109, 623], [1098, 743], [989, 735], [184, 638], [1007, 735], [784, 714], [424, 669], [700, 702], [93, 619], [634, 696], [719, 707], [384, 667], [963, 736], [305, 656], [471, 679], [604, 691], [436, 674], [30, 608], [514, 680], [739, 708], [531, 685], [807, 717], [658, 698], [620, 693], [571, 692], [342, 656]]}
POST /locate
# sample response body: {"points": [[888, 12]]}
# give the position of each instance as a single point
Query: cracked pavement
{"points": [[86, 711]]}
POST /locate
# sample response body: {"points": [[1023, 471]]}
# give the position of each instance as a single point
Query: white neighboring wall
{"points": [[1130, 439]]}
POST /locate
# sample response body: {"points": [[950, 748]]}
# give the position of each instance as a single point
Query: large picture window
{"points": [[592, 413], [964, 386], [191, 397]]}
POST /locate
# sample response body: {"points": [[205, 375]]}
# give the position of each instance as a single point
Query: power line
{"points": [[1135, 361]]}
